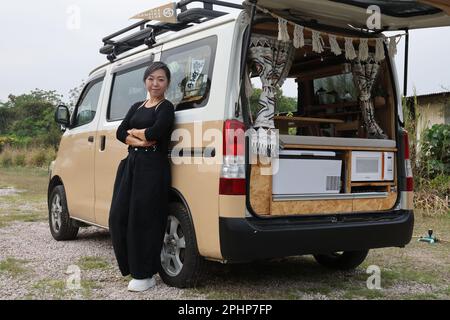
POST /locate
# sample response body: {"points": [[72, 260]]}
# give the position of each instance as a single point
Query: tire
{"points": [[346, 260], [181, 264], [62, 227]]}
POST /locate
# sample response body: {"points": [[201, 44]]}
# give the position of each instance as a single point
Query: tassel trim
{"points": [[350, 52], [317, 42], [299, 37], [334, 45], [283, 34]]}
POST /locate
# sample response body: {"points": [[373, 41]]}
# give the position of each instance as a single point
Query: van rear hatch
{"points": [[395, 15]]}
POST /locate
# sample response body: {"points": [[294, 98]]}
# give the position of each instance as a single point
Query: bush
{"points": [[6, 141], [29, 119], [430, 203], [435, 151], [6, 159], [20, 159], [430, 163], [441, 185], [50, 156], [38, 158]]}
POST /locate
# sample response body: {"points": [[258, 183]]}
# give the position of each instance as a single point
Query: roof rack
{"points": [[148, 32]]}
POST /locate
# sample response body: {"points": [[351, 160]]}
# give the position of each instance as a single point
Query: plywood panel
{"points": [[281, 208], [375, 204], [348, 172], [262, 203], [310, 207], [260, 189], [315, 147]]}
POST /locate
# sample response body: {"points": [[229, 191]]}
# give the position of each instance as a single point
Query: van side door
{"points": [[126, 87], [76, 153]]}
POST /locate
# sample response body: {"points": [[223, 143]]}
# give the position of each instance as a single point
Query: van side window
{"points": [[87, 105], [127, 89], [191, 68]]}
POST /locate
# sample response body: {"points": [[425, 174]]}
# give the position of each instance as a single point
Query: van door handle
{"points": [[91, 138], [102, 143]]}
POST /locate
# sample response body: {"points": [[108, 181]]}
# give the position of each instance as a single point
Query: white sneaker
{"points": [[137, 285]]}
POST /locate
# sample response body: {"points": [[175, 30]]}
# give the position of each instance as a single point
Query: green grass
{"points": [[54, 288], [30, 204], [363, 293], [421, 296], [5, 220], [419, 267], [13, 266], [92, 263], [88, 286], [57, 289], [321, 289], [34, 180], [446, 291], [410, 275]]}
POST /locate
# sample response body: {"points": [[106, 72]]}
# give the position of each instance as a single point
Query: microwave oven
{"points": [[372, 166]]}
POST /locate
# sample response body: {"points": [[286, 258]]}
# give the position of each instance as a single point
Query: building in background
{"points": [[430, 109]]}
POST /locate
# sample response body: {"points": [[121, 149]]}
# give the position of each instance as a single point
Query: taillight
{"points": [[408, 167], [232, 177]]}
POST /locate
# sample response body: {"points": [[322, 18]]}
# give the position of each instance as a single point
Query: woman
{"points": [[139, 205]]}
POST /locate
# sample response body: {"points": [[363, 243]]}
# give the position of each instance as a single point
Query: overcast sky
{"points": [[42, 47]]}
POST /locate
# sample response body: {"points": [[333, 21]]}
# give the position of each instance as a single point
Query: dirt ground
{"points": [[34, 266]]}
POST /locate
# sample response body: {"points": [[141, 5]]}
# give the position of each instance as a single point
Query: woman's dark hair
{"points": [[156, 66]]}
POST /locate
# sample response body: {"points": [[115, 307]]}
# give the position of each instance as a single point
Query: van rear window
{"points": [[191, 68]]}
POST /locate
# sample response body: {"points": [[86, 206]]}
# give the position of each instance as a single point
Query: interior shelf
{"points": [[337, 196], [342, 104], [372, 184]]}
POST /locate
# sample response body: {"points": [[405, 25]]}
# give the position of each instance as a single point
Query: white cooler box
{"points": [[303, 172]]}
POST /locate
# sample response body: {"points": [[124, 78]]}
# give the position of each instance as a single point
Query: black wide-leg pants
{"points": [[139, 210]]}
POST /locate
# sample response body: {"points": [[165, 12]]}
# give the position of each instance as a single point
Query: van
{"points": [[330, 178]]}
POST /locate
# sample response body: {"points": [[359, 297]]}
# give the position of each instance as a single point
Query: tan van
{"points": [[335, 181]]}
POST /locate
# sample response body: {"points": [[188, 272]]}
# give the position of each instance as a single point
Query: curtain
{"points": [[271, 60], [364, 75]]}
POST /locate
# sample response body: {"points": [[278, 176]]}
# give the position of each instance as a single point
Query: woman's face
{"points": [[157, 83]]}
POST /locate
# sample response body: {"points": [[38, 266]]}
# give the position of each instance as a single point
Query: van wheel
{"points": [[342, 260], [62, 226], [181, 264]]}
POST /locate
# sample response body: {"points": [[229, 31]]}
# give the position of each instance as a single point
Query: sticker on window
{"points": [[193, 86]]}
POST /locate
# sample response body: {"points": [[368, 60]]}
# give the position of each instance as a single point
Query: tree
{"points": [[30, 118], [74, 95], [283, 104]]}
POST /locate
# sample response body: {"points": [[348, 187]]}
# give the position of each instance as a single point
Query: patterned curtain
{"points": [[271, 60], [364, 75]]}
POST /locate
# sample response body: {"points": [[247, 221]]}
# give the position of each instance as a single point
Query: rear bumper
{"points": [[246, 239]]}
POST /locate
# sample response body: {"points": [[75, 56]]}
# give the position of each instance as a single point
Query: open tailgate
{"points": [[395, 15]]}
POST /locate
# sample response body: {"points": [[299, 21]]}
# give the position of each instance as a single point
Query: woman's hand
{"points": [[138, 133], [133, 141], [136, 142]]}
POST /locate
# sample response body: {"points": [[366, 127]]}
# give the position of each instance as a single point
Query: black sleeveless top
{"points": [[158, 122]]}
